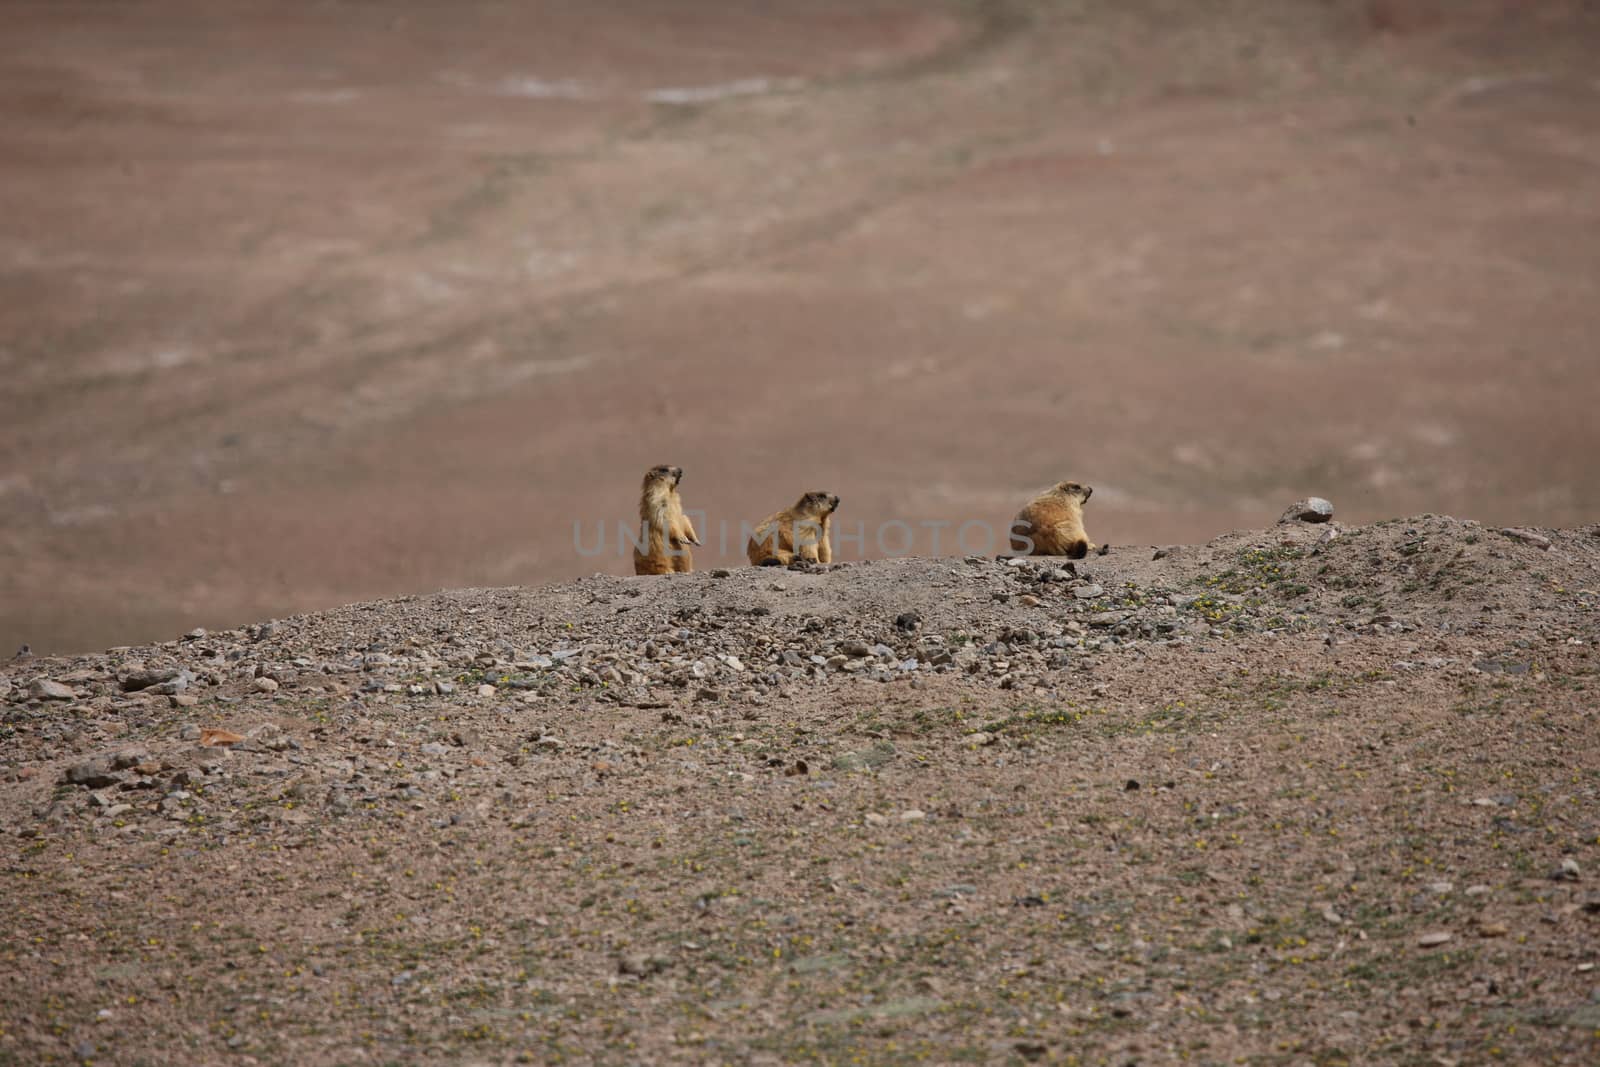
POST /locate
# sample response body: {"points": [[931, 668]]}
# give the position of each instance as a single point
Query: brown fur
{"points": [[665, 532], [1053, 523], [799, 532]]}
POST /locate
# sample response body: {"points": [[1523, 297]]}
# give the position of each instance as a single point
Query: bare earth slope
{"points": [[1285, 797], [306, 306]]}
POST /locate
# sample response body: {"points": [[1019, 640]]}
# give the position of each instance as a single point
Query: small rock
{"points": [[1088, 592], [907, 622], [856, 649], [134, 681], [1568, 871], [1528, 537], [1435, 939], [912, 815], [183, 700], [640, 965], [487, 690], [874, 819], [93, 774], [213, 738], [1028, 600], [128, 757], [264, 685], [1493, 930], [45, 689], [1311, 509]]}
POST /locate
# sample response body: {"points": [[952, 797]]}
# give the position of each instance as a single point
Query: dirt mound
{"points": [[1289, 795]]}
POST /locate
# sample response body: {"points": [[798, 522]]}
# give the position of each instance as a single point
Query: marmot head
{"points": [[1081, 492], [818, 503], [663, 475]]}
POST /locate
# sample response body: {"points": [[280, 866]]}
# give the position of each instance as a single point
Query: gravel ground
{"points": [[1307, 795]]}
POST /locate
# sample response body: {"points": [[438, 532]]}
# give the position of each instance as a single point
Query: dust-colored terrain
{"points": [[1290, 797], [304, 304]]}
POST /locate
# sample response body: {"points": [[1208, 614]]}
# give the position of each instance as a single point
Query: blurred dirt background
{"points": [[305, 304]]}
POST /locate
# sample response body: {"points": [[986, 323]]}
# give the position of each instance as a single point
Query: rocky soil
{"points": [[1307, 795]]}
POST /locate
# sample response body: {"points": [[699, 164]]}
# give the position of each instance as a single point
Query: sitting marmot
{"points": [[799, 532], [665, 532], [1052, 523]]}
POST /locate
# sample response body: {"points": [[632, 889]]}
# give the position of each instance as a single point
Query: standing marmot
{"points": [[1052, 523], [665, 532], [800, 531]]}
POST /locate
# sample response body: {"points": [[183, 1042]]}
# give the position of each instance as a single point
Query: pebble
{"points": [[487, 690], [1435, 939], [265, 685], [183, 700], [912, 815], [874, 819], [1088, 592], [1493, 930]]}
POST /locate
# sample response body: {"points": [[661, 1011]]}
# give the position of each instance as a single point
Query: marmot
{"points": [[665, 532], [1052, 523], [797, 532]]}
